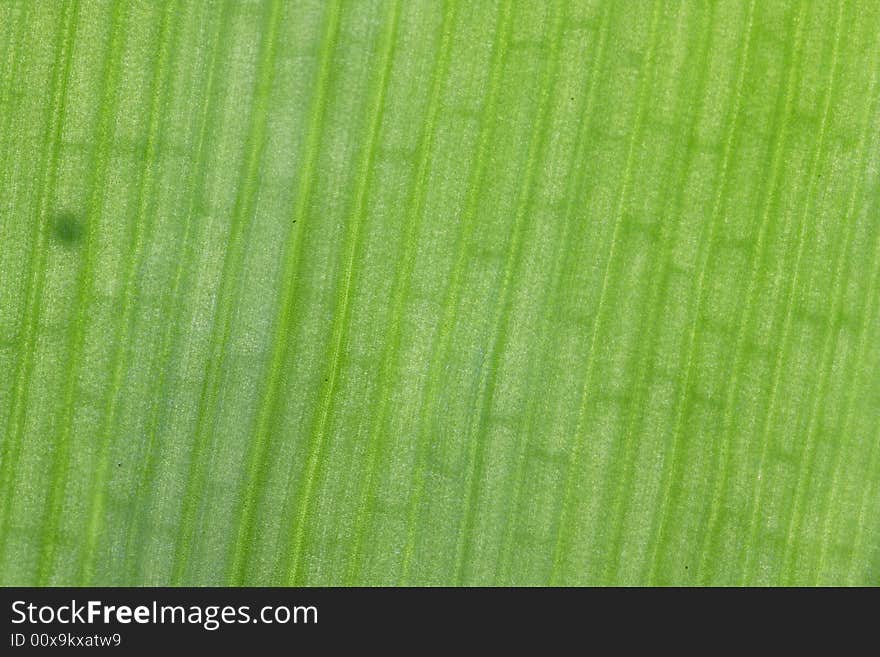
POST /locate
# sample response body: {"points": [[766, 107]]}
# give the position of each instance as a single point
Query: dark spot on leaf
{"points": [[67, 228]]}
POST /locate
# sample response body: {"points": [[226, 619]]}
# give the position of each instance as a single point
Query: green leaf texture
{"points": [[439, 292]]}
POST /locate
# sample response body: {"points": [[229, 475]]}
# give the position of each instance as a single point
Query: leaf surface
{"points": [[421, 292]]}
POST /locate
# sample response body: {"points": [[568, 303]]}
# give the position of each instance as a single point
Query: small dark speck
{"points": [[685, 567], [67, 228], [118, 465]]}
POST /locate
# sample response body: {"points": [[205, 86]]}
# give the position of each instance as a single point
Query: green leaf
{"points": [[422, 292]]}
